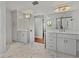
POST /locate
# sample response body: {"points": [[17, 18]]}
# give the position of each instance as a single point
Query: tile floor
{"points": [[20, 50]]}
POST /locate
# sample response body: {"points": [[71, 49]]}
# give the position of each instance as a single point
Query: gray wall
{"points": [[2, 27], [8, 28], [14, 25]]}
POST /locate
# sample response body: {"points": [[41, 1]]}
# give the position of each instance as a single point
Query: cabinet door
{"points": [[60, 44], [18, 36], [51, 47], [24, 37], [70, 46], [21, 35]]}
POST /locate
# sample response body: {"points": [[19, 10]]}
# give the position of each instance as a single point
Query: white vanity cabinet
{"points": [[22, 36], [51, 41], [70, 46], [61, 42], [66, 45]]}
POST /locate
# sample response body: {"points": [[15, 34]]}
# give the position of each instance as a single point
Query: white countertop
{"points": [[66, 32], [22, 30]]}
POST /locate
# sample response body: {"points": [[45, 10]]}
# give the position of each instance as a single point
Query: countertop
{"points": [[66, 32], [22, 30]]}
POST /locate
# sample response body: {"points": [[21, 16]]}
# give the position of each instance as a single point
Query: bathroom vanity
{"points": [[62, 41], [63, 35], [23, 36]]}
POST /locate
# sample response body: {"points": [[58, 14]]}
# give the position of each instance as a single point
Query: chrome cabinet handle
{"points": [[65, 41]]}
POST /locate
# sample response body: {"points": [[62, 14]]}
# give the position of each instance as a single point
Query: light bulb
{"points": [[27, 16]]}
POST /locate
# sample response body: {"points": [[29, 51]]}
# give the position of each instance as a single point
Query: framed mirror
{"points": [[63, 22]]}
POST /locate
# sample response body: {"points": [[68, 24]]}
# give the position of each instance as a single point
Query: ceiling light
{"points": [[35, 3]]}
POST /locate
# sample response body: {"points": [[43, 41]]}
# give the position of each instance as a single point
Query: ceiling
{"points": [[42, 7]]}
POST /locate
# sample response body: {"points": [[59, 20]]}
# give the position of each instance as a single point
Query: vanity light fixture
{"points": [[62, 8]]}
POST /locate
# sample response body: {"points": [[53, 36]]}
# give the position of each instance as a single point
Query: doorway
{"points": [[39, 29]]}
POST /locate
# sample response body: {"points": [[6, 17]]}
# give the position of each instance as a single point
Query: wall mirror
{"points": [[63, 22]]}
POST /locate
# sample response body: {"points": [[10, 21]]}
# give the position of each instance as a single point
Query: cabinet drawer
{"points": [[51, 34], [72, 36], [51, 42], [51, 39], [59, 35], [51, 47], [77, 37]]}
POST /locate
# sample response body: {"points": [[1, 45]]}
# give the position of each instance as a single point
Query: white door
{"points": [[24, 37]]}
